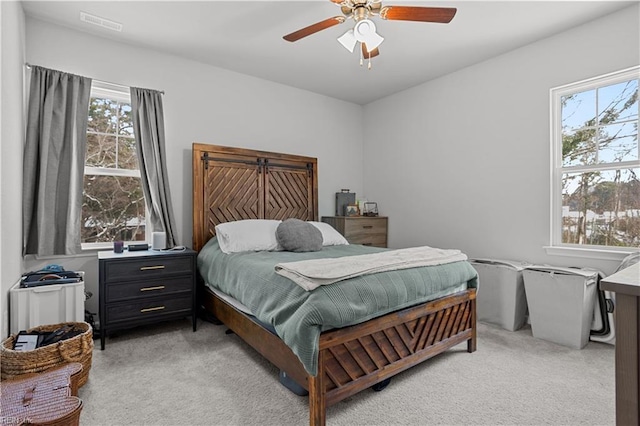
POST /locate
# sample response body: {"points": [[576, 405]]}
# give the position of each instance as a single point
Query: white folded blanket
{"points": [[310, 274]]}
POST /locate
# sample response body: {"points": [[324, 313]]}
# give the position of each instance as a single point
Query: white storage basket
{"points": [[47, 304]]}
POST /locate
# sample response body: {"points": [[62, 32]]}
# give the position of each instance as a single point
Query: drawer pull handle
{"points": [[160, 287], [157, 308], [367, 226], [151, 268]]}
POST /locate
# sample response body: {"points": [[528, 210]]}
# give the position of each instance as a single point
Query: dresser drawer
{"points": [[375, 240], [149, 308], [146, 288], [368, 231], [147, 267], [364, 227]]}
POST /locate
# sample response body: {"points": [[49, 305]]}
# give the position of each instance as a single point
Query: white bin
{"points": [[501, 298], [47, 304], [561, 303]]}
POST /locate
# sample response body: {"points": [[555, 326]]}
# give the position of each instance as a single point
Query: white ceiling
{"points": [[246, 36]]}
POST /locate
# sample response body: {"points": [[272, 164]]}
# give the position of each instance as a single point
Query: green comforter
{"points": [[299, 316]]}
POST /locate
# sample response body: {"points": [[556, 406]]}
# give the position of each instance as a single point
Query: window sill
{"points": [[88, 250], [590, 253], [83, 253], [93, 248]]}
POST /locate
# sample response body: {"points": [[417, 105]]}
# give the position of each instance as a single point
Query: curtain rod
{"points": [[28, 65]]}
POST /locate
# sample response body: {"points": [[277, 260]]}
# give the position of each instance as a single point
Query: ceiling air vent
{"points": [[101, 22]]}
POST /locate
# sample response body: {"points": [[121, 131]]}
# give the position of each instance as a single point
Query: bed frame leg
{"points": [[317, 403], [471, 345], [472, 342]]}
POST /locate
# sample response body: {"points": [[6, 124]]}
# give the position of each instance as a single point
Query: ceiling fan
{"points": [[364, 30]]}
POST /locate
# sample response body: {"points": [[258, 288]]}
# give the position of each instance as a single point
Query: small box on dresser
{"points": [[145, 287], [365, 230]]}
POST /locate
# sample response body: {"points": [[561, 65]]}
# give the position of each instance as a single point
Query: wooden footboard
{"points": [[354, 358]]}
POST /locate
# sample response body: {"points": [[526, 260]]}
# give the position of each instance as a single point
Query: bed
{"points": [[231, 184]]}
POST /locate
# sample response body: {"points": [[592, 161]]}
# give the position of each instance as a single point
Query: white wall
{"points": [[12, 35], [210, 105], [464, 161]]}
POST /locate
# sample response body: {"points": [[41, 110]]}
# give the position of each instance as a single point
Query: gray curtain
{"points": [[53, 163], [148, 128]]}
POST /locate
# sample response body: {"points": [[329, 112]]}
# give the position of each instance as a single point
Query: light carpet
{"points": [[168, 375]]}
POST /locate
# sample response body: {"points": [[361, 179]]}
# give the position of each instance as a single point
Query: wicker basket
{"points": [[76, 349], [45, 398]]}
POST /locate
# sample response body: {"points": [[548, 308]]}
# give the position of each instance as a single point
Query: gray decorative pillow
{"points": [[299, 236]]}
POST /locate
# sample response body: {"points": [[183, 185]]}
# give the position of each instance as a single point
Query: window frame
{"points": [[122, 94], [557, 247]]}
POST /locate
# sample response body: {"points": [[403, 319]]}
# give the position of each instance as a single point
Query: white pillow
{"points": [[330, 237], [248, 235]]}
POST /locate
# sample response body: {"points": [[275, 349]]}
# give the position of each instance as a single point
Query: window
{"points": [[596, 163], [113, 206]]}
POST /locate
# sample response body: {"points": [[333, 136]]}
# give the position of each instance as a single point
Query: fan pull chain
{"points": [[361, 57], [369, 66]]}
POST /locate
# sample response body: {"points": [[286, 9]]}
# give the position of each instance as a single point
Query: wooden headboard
{"points": [[234, 183]]}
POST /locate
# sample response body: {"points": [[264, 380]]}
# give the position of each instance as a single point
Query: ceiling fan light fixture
{"points": [[365, 32], [372, 42], [348, 40]]}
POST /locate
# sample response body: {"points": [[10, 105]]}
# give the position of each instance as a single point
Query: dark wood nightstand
{"points": [[365, 230], [145, 287]]}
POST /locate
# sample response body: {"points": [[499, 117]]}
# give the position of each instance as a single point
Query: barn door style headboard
{"points": [[234, 184]]}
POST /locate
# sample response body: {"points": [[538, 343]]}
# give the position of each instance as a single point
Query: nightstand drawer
{"points": [[147, 267], [149, 308], [147, 288]]}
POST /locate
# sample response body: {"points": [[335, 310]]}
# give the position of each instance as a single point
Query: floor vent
{"points": [[101, 22]]}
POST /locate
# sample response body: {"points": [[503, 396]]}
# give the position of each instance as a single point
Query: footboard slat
{"points": [[405, 335], [443, 324], [452, 320], [369, 352], [425, 331], [434, 328], [381, 344], [465, 318], [458, 320], [396, 342], [357, 353]]}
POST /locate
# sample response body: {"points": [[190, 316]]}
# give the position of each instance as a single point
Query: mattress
{"points": [[299, 316]]}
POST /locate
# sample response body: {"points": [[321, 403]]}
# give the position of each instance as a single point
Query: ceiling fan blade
{"points": [[442, 15], [366, 54], [312, 29]]}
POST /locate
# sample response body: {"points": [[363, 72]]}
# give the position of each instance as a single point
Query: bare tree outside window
{"points": [[113, 205], [600, 168]]}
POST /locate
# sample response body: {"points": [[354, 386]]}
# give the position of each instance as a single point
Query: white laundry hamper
{"points": [[501, 298], [561, 303]]}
